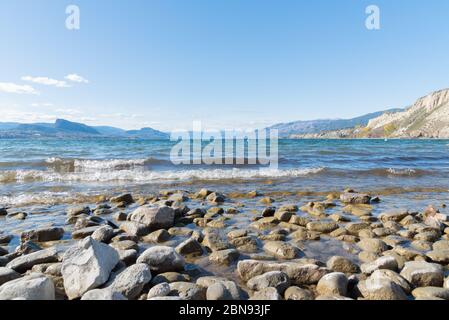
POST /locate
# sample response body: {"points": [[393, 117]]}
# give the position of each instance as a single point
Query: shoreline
{"points": [[208, 245]]}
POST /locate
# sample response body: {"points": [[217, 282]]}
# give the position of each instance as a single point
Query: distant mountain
{"points": [[428, 117], [316, 126], [65, 128], [148, 133]]}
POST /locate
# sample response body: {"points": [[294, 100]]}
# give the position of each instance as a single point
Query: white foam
{"points": [[401, 172], [108, 164], [141, 176]]}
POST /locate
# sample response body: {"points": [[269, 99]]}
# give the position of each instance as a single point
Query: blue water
{"points": [[49, 168]]}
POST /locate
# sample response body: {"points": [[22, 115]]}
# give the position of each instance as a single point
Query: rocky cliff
{"points": [[427, 118]]}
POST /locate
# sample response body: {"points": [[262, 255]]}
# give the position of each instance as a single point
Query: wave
{"points": [[152, 176]]}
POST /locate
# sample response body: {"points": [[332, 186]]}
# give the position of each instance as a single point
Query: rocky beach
{"points": [[208, 245]]}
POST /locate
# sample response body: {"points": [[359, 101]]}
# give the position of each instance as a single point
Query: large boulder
{"points": [[154, 217], [42, 234], [131, 281], [26, 262], [35, 286], [86, 266], [162, 259], [423, 274]]}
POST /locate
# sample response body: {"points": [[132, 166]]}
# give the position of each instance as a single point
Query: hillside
{"points": [[65, 128], [317, 126], [428, 117]]}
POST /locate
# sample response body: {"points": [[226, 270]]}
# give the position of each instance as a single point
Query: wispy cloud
{"points": [[9, 87], [42, 105], [46, 81], [76, 78]]}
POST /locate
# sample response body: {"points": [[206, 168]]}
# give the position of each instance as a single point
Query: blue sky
{"points": [[229, 63]]}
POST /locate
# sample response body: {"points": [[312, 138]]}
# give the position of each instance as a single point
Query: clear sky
{"points": [[229, 63]]}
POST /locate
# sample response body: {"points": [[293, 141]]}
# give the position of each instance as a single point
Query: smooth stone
{"points": [[35, 286], [103, 295], [134, 228], [331, 284], [226, 257], [423, 274], [266, 294], [355, 198], [342, 264], [7, 274], [159, 290], [190, 247], [215, 241], [124, 245], [154, 217], [130, 282], [77, 211], [162, 259], [26, 262], [380, 288], [170, 277], [42, 234], [187, 291], [322, 226], [275, 279], [281, 249], [103, 234], [439, 256], [431, 292], [123, 198], [218, 291], [372, 245], [86, 266], [84, 232], [299, 274], [297, 293], [157, 236], [393, 277], [385, 262]]}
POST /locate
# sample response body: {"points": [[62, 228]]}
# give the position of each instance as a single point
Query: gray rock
{"points": [[297, 293], [7, 274], [226, 257], [355, 198], [162, 259], [170, 277], [128, 257], [385, 262], [299, 274], [157, 236], [103, 295], [281, 249], [123, 198], [103, 234], [77, 211], [431, 292], [380, 288], [134, 228], [423, 274], [159, 290], [42, 234], [266, 294], [372, 245], [187, 291], [154, 217], [275, 279], [131, 281], [393, 277], [26, 262], [332, 284], [32, 287], [322, 226], [342, 264], [190, 247], [233, 292], [84, 232], [86, 266], [218, 291], [215, 241]]}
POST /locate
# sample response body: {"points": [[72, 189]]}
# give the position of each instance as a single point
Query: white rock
{"points": [[333, 284], [102, 294], [86, 266], [162, 259], [385, 262], [35, 286], [423, 274]]}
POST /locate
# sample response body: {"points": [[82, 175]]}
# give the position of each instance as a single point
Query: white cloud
{"points": [[9, 87], [76, 78], [42, 105], [71, 112], [46, 81]]}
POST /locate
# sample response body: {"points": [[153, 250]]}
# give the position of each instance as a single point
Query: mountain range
{"points": [[65, 128], [428, 117]]}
